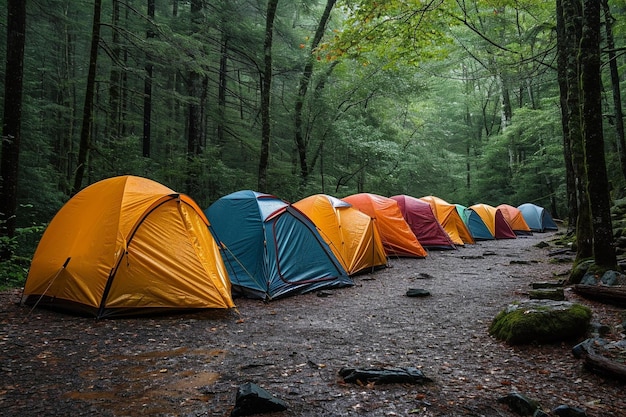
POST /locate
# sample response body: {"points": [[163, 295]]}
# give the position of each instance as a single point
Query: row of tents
{"points": [[129, 245]]}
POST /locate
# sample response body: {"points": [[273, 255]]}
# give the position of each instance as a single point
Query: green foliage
{"points": [[403, 33], [404, 98], [15, 269]]}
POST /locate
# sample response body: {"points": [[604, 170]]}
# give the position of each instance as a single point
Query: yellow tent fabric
{"points": [[515, 219], [128, 245], [449, 218], [351, 234]]}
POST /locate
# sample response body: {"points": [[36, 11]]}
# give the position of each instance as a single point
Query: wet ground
{"points": [[52, 364]]}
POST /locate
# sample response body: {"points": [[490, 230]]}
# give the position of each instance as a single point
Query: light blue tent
{"points": [[474, 223], [537, 218], [270, 248]]}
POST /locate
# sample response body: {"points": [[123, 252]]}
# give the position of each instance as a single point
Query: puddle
{"points": [[150, 384]]}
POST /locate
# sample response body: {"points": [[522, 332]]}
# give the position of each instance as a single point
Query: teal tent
{"points": [[474, 223], [270, 248], [537, 218]]}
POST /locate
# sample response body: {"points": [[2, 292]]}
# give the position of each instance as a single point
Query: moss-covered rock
{"points": [[540, 321], [579, 270], [547, 294]]}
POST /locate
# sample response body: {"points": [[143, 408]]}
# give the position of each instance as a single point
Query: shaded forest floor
{"points": [[192, 364]]}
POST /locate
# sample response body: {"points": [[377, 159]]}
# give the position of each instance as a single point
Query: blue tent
{"points": [[270, 248], [537, 218], [474, 223]]}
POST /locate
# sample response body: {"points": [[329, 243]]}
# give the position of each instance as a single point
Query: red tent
{"points": [[420, 217]]}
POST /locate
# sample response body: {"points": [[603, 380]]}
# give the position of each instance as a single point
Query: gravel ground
{"points": [[53, 364]]}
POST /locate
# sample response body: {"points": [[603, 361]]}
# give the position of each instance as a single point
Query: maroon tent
{"points": [[420, 217]]}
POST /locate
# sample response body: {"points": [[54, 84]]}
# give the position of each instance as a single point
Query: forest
{"points": [[474, 101]]}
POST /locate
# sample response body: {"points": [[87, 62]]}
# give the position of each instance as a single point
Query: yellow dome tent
{"points": [[128, 245], [450, 220], [495, 221], [351, 234]]}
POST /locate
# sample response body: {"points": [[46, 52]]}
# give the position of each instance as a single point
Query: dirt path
{"points": [[191, 365]]}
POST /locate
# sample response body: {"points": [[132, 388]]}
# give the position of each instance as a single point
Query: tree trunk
{"points": [[113, 119], [147, 88], [266, 92], [221, 94], [194, 110], [305, 81], [609, 20], [85, 131], [562, 62], [572, 13], [598, 183], [12, 119]]}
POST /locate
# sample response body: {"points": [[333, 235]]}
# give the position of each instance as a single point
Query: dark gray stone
{"points": [[384, 375], [568, 411], [252, 399], [612, 278], [417, 292], [519, 404]]}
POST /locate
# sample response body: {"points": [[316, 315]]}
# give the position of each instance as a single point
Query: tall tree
{"points": [[562, 70], [618, 117], [598, 184], [147, 88], [90, 91], [305, 80], [266, 94], [113, 120], [196, 89], [572, 19], [12, 118]]}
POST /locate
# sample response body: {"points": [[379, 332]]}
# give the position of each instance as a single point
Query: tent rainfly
{"points": [[537, 218], [351, 234], [474, 223], [422, 221], [494, 219], [271, 249], [397, 237], [515, 219], [450, 220], [125, 246]]}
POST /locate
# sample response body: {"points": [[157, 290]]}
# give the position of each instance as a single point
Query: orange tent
{"points": [[449, 218], [515, 219], [495, 221], [351, 234], [397, 237], [128, 245]]}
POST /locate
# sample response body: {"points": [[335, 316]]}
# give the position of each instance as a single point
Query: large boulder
{"points": [[541, 321]]}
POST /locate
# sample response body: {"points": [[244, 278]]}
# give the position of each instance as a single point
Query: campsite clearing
{"points": [[192, 364]]}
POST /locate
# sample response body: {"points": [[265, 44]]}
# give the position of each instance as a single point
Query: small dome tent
{"points": [[494, 219], [474, 223], [271, 249], [397, 237], [537, 218], [422, 221], [450, 220], [515, 219], [351, 234], [128, 245]]}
